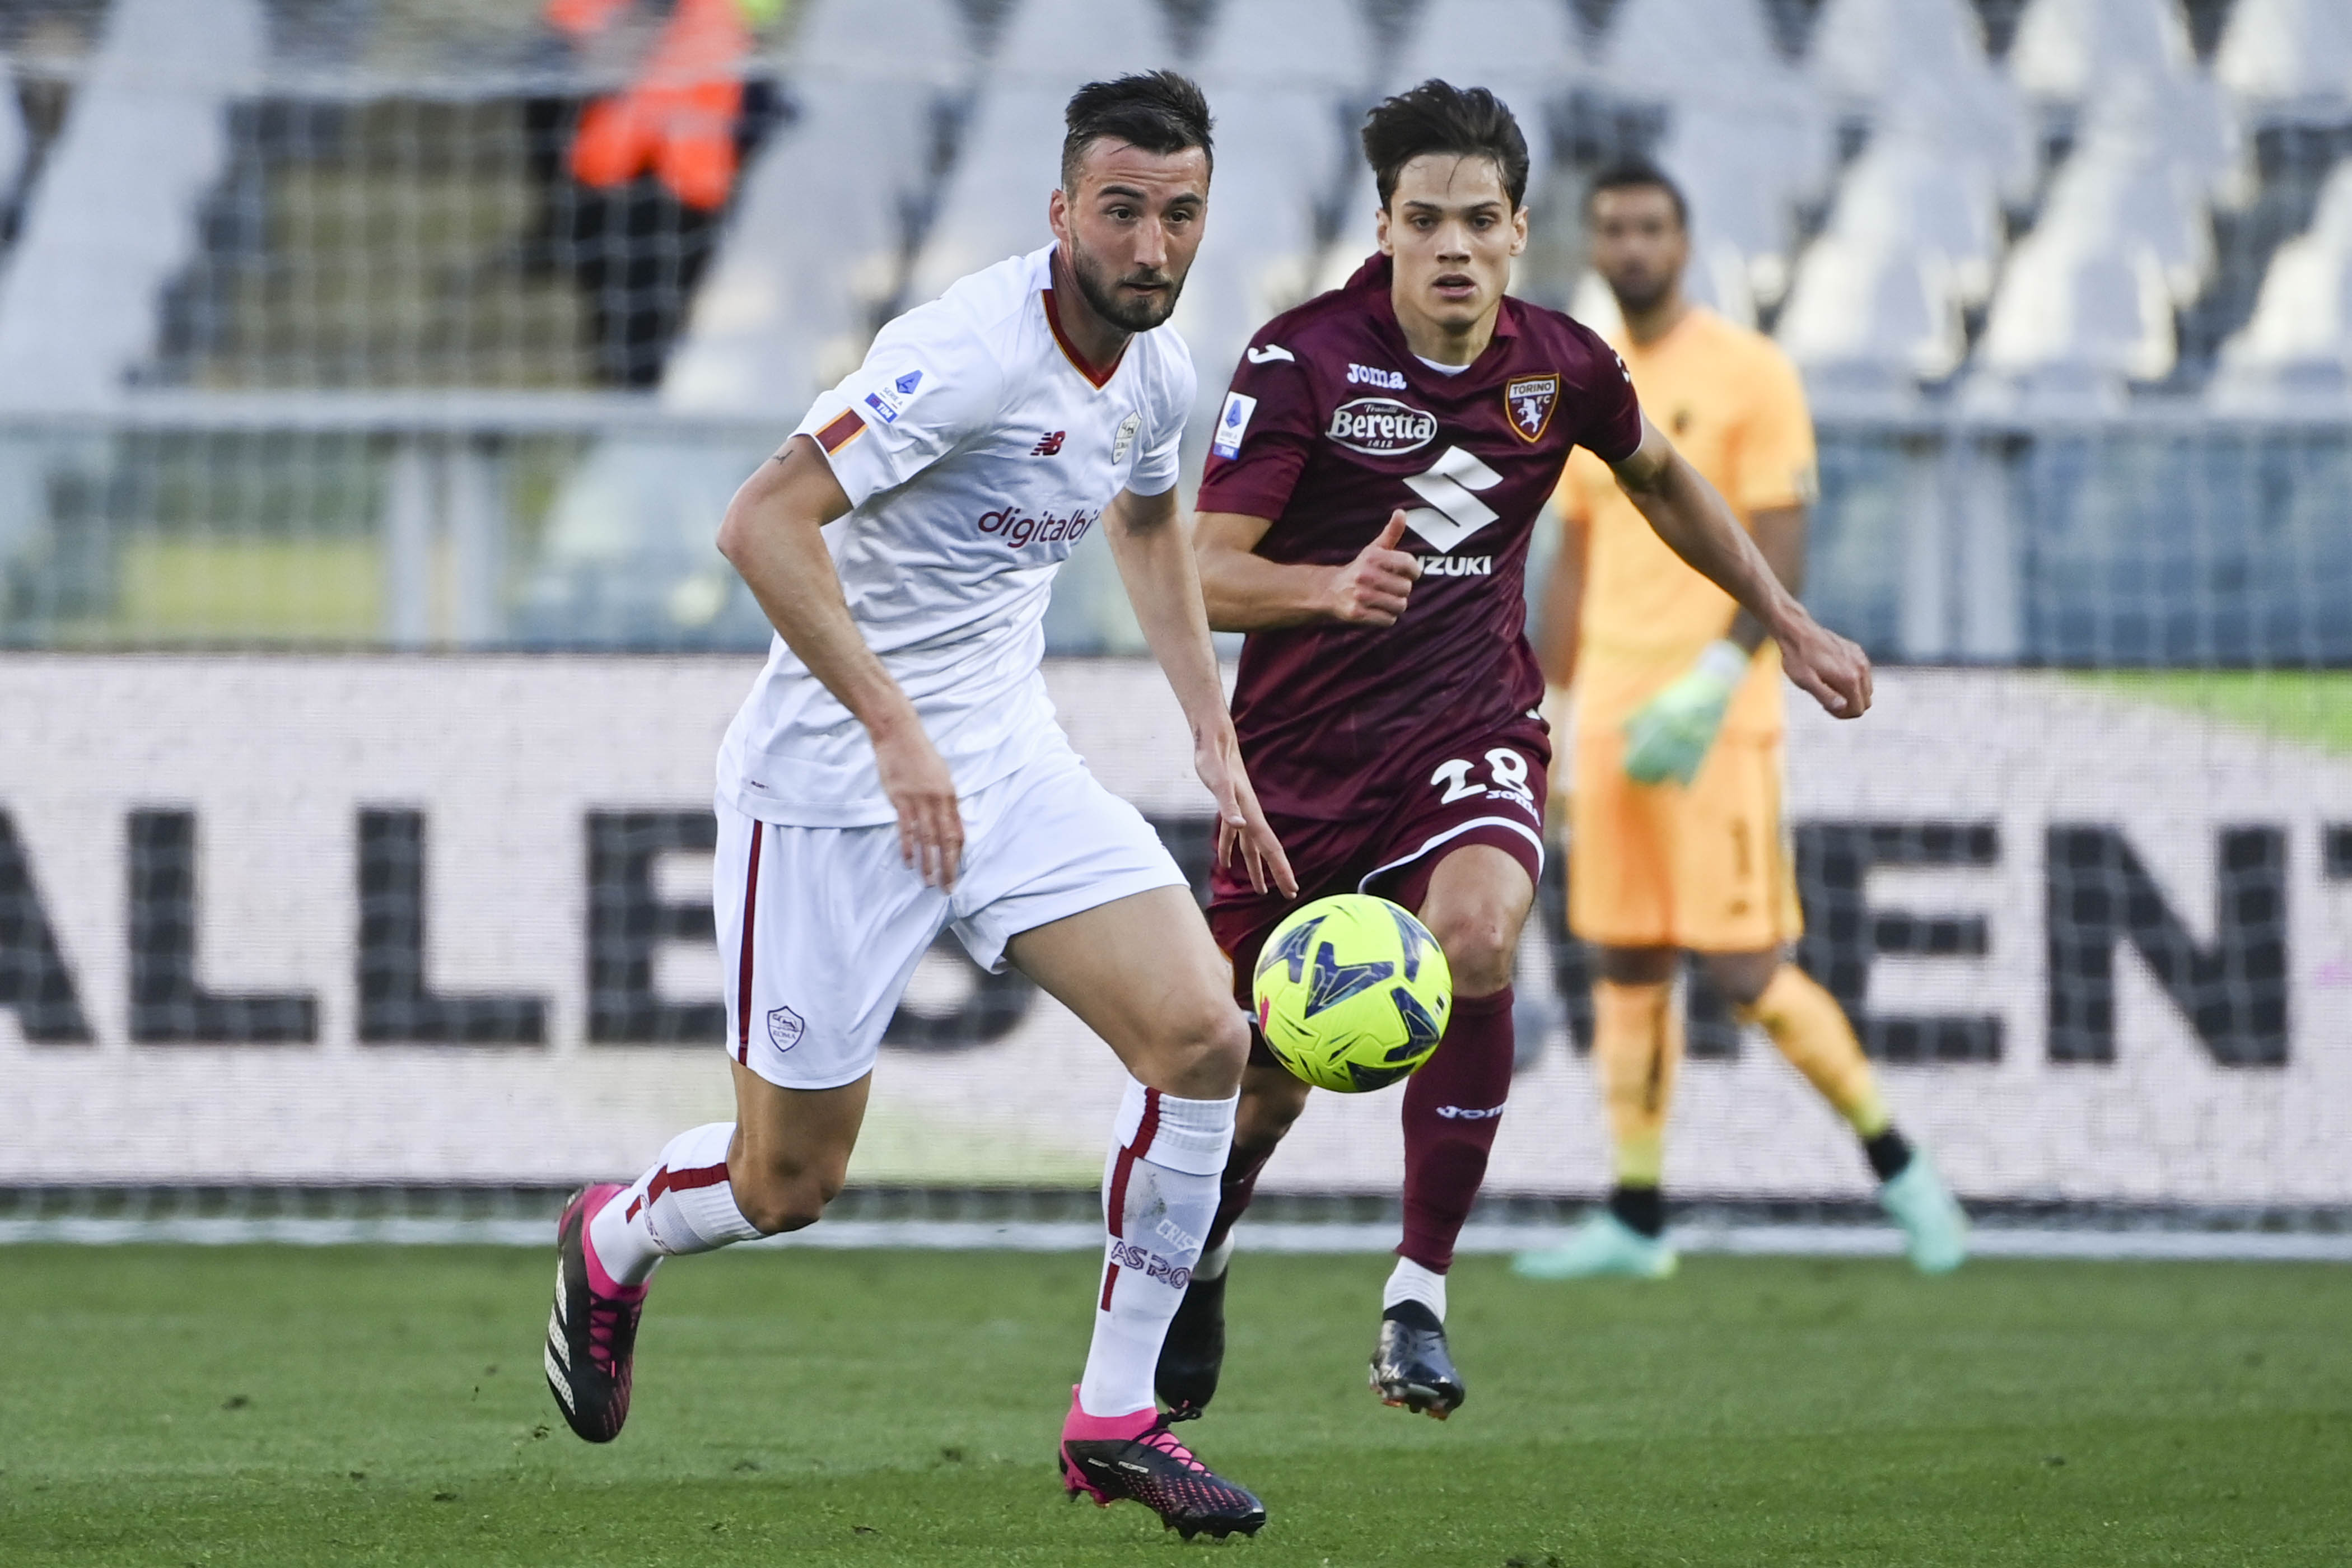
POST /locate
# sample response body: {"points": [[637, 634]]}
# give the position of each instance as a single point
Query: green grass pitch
{"points": [[265, 1406], [2312, 707]]}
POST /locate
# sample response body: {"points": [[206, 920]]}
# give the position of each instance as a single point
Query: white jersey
{"points": [[977, 451]]}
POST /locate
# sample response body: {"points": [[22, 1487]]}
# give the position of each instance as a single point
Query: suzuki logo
{"points": [[1453, 514]]}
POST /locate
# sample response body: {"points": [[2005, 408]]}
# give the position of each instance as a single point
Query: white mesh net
{"points": [[346, 327]]}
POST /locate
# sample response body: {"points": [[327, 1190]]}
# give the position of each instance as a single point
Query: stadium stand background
{"points": [[334, 329], [312, 331]]}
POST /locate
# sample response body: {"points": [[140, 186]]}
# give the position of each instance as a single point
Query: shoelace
{"points": [[603, 1322], [1166, 1442]]}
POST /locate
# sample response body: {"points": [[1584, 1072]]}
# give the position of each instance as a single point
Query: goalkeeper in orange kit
{"points": [[1676, 840]]}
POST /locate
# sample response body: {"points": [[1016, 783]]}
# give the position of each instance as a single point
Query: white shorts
{"points": [[838, 921]]}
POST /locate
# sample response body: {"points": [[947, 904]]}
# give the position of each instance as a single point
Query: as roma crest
{"points": [[1529, 402]]}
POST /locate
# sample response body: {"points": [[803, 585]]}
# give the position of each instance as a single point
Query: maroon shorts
{"points": [[1491, 791]]}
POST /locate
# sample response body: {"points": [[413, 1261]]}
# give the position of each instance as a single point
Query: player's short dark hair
{"points": [[1638, 175], [1160, 112], [1438, 117]]}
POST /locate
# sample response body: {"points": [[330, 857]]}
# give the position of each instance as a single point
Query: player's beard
{"points": [[1640, 294], [1132, 315]]}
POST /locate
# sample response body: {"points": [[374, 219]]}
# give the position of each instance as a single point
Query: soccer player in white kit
{"points": [[897, 768]]}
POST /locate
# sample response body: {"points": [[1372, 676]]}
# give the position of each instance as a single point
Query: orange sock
{"points": [[1637, 1045], [1811, 1030]]}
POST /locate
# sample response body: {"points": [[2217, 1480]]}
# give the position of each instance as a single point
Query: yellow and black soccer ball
{"points": [[1353, 993]]}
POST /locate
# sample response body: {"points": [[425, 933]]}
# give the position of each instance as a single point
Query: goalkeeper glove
{"points": [[1669, 738]]}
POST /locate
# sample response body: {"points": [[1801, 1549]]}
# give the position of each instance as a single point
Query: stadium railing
{"points": [[2162, 537]]}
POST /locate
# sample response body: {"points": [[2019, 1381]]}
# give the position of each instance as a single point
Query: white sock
{"points": [[1214, 1261], [1409, 1281], [1160, 1197], [683, 1205]]}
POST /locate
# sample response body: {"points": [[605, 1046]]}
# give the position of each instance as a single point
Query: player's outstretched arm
{"points": [[1147, 539], [1697, 525], [1247, 593], [773, 535]]}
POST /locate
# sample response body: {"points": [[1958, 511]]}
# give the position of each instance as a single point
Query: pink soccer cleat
{"points": [[1108, 1457], [592, 1330]]}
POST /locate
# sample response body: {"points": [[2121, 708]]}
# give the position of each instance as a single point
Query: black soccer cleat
{"points": [[1412, 1367], [1195, 1351], [591, 1339], [1136, 1458]]}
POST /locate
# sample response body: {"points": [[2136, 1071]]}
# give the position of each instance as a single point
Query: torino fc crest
{"points": [[1528, 401]]}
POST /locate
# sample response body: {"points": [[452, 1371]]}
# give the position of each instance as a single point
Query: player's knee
{"points": [[1200, 1049], [1739, 978], [1271, 1100], [1480, 945], [779, 1196], [1638, 965]]}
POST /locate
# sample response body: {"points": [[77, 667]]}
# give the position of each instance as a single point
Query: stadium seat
{"points": [[1296, 44], [2084, 54], [2065, 49], [2299, 339], [2088, 299], [113, 220], [1914, 237], [12, 146], [1868, 316], [788, 305], [2288, 59], [1747, 136], [1281, 79], [1519, 49], [2126, 180], [1008, 154], [2086, 303], [1925, 60], [2124, 240]]}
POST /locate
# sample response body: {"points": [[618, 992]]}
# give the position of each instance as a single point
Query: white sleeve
{"points": [[928, 384], [1156, 468]]}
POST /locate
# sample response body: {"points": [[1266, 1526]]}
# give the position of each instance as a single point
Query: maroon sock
{"points": [[1234, 1188], [1451, 1107]]}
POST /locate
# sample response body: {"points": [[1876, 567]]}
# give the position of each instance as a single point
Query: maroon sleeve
{"points": [[1265, 428], [1612, 415]]}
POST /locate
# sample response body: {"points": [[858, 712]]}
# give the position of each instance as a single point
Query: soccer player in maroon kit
{"points": [[1377, 471]]}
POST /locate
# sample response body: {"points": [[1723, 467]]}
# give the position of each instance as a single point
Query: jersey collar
{"points": [[1097, 376], [1376, 277], [1628, 349]]}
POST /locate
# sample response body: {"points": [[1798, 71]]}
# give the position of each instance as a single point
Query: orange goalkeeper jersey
{"points": [[1731, 403]]}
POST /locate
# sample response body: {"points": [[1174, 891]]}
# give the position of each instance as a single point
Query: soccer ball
{"points": [[1353, 993]]}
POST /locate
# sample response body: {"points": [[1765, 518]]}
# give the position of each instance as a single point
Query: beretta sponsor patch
{"points": [[1382, 426]]}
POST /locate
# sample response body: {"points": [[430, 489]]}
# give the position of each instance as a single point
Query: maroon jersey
{"points": [[1331, 425]]}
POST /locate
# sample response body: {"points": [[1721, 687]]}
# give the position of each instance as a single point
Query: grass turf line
{"points": [[2314, 707], [264, 1406]]}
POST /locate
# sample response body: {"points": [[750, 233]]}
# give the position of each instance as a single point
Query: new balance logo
{"points": [[1453, 514], [1049, 445]]}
